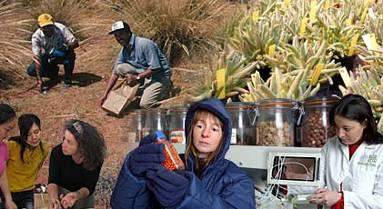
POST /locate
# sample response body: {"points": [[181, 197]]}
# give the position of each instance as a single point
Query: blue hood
{"points": [[221, 184], [216, 107]]}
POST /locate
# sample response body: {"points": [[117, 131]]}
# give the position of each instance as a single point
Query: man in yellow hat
{"points": [[52, 43]]}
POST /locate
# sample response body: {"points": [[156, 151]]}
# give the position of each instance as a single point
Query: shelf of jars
{"points": [[246, 156], [277, 125]]}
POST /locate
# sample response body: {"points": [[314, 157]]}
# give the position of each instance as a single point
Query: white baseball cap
{"points": [[119, 25]]}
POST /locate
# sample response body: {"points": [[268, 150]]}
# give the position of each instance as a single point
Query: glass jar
{"points": [[140, 119], [154, 120], [176, 120], [276, 122], [243, 119], [316, 128], [134, 126]]}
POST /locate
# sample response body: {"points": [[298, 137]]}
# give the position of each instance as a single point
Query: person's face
{"points": [[122, 37], [34, 136], [348, 131], [207, 134], [6, 129], [70, 145], [48, 30]]}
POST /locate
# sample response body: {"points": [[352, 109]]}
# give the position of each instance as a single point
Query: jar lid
{"points": [[155, 110], [277, 103], [178, 109], [240, 105], [323, 101]]}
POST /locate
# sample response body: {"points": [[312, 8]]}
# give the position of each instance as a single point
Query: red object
{"points": [[172, 159], [352, 148], [339, 204]]}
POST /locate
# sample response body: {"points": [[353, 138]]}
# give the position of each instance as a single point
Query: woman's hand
{"points": [[169, 187], [325, 197], [69, 199], [54, 204], [9, 204]]}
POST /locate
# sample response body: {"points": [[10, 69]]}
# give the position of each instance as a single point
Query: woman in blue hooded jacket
{"points": [[209, 181]]}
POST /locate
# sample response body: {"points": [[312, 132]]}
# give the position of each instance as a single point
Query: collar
{"points": [[132, 40], [357, 143], [345, 148], [352, 147]]}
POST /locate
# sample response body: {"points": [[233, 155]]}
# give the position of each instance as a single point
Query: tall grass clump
{"points": [[89, 20], [177, 26], [14, 50], [82, 16]]}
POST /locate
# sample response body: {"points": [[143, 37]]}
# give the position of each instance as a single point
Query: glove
{"points": [[152, 138], [58, 53], [146, 157], [169, 187], [148, 139]]}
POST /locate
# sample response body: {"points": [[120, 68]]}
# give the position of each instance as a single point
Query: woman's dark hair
{"points": [[91, 143], [25, 123], [6, 113], [357, 108]]}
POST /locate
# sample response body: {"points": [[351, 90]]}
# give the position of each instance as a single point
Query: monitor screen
{"points": [[293, 168]]}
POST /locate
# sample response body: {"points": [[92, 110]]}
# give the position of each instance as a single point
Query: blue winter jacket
{"points": [[222, 185]]}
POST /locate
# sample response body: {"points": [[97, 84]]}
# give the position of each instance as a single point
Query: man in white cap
{"points": [[52, 44], [141, 62]]}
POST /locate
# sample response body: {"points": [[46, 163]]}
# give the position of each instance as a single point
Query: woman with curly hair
{"points": [[75, 166], [26, 156]]}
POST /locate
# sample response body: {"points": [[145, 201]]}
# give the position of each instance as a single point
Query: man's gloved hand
{"points": [[58, 53], [169, 187], [146, 157]]}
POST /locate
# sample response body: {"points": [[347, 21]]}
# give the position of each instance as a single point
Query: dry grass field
{"points": [[186, 30]]}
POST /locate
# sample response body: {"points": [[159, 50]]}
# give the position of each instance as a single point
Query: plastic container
{"points": [[276, 122], [154, 120], [243, 117], [316, 128], [172, 159], [176, 124]]}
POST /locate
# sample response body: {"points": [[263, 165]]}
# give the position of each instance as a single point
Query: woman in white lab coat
{"points": [[353, 160]]}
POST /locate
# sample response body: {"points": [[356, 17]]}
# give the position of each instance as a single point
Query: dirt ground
{"points": [[81, 101]]}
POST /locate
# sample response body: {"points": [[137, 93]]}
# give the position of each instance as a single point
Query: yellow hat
{"points": [[44, 20]]}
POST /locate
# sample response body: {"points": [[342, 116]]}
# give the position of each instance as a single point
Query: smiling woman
{"points": [[26, 156]]}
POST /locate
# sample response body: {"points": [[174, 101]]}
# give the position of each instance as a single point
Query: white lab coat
{"points": [[361, 176]]}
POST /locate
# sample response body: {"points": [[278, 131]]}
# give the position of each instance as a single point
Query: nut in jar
{"points": [[315, 132], [316, 127], [268, 134]]}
